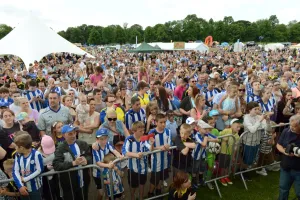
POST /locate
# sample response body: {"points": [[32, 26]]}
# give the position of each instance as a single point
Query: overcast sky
{"points": [[61, 14]]}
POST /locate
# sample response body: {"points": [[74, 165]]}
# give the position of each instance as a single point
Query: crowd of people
{"points": [[68, 111]]}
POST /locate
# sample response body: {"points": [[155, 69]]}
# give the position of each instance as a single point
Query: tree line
{"points": [[191, 28]]}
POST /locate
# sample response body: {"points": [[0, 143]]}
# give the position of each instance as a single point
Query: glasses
{"points": [[242, 90], [193, 81], [112, 119]]}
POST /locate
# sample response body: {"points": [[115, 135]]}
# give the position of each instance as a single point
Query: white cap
{"points": [[233, 120], [190, 120], [203, 124]]}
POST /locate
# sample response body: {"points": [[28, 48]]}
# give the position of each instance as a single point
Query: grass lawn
{"points": [[260, 188]]}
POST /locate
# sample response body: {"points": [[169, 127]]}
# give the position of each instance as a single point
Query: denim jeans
{"points": [[287, 178]]}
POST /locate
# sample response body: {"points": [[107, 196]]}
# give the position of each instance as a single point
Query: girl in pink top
{"points": [[143, 75], [97, 76]]}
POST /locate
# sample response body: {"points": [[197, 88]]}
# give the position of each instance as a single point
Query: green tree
{"points": [[4, 30], [108, 34], [149, 34], [120, 35], [295, 32], [281, 33], [94, 37]]}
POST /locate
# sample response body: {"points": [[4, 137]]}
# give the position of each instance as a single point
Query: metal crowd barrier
{"points": [[218, 169], [251, 154]]}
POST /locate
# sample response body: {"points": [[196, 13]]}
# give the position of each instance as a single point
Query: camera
{"points": [[292, 148]]}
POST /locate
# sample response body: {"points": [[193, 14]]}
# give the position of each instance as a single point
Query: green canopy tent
{"points": [[144, 48]]}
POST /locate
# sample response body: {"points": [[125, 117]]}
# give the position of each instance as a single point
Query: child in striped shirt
{"points": [[27, 166], [118, 188], [134, 148], [160, 162]]}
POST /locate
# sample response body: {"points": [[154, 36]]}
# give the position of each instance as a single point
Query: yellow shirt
{"points": [[227, 142], [144, 100]]}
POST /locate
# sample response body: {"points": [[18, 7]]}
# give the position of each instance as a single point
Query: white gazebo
{"points": [[32, 40]]}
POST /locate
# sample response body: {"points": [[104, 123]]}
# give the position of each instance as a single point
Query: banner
{"points": [[179, 45]]}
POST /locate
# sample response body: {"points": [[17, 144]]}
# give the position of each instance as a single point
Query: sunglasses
{"points": [[193, 81], [242, 90], [112, 119]]}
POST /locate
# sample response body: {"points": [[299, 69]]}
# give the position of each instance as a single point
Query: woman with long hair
{"points": [[181, 187], [188, 102], [89, 69], [25, 107], [10, 127], [198, 112], [285, 107], [67, 102], [56, 133], [143, 75], [120, 100], [151, 112], [163, 102]]}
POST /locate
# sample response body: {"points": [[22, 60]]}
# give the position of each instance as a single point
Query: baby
{"points": [[82, 109]]}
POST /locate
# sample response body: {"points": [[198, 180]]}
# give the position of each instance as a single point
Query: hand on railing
{"points": [[139, 155], [110, 165]]}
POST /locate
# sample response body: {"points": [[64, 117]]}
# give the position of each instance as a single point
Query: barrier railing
{"points": [[256, 152], [229, 161]]}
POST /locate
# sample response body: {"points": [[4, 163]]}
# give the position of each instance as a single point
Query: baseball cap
{"points": [[21, 116], [233, 120], [203, 124], [213, 113], [190, 120], [102, 132], [68, 128], [4, 104], [47, 144]]}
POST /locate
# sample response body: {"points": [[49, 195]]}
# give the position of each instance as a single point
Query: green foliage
{"points": [[4, 30], [191, 28]]}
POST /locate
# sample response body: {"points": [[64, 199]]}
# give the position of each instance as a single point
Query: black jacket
{"points": [[33, 130], [63, 161]]}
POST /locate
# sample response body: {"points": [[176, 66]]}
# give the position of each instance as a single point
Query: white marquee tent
{"points": [[32, 40], [238, 47], [297, 46], [187, 46], [273, 46]]}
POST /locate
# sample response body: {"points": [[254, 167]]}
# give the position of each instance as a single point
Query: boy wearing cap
{"points": [[104, 148], [73, 153], [227, 149], [29, 126], [134, 148], [27, 166]]}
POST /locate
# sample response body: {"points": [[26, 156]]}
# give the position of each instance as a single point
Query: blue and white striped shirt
{"points": [[208, 94], [98, 156], [249, 89], [131, 116], [252, 97], [8, 101], [28, 168], [170, 85], [37, 105], [117, 182], [132, 145], [268, 107], [76, 151], [161, 160]]}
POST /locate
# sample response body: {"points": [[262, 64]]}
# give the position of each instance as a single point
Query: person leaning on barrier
{"points": [[72, 153], [289, 144]]}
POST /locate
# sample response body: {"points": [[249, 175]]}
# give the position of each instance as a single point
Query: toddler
{"points": [[82, 109]]}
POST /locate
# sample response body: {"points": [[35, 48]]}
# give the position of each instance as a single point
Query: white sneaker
{"points": [[210, 186], [262, 172]]}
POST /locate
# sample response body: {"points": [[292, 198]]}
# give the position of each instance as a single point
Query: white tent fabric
{"points": [[187, 46], [297, 46], [238, 47], [273, 46], [32, 40]]}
